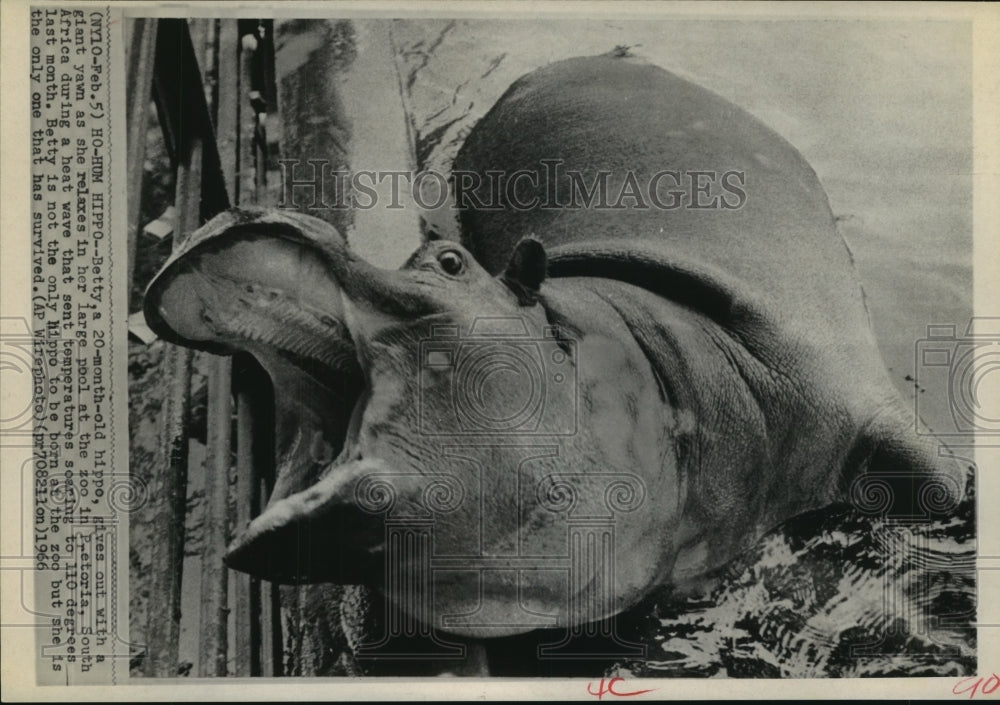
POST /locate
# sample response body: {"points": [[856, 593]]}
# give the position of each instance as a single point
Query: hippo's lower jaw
{"points": [[293, 540]]}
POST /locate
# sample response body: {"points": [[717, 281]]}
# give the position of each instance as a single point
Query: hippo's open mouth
{"points": [[277, 299]]}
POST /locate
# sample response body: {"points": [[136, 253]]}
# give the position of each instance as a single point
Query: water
{"points": [[832, 593]]}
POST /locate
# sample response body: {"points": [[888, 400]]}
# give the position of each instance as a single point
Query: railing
{"points": [[214, 84], [211, 82]]}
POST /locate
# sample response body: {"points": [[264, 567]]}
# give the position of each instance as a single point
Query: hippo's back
{"points": [[720, 194]]}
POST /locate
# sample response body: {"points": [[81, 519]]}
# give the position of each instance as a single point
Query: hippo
{"points": [[639, 356]]}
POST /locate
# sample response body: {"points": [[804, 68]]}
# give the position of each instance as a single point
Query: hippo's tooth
{"points": [[333, 490], [290, 541], [307, 454]]}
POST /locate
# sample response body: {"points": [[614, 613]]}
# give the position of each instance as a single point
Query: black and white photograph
{"points": [[447, 342]]}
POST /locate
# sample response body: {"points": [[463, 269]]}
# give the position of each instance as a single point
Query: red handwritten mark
{"points": [[603, 690], [972, 684]]}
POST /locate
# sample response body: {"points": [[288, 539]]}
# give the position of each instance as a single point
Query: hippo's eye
{"points": [[451, 262]]}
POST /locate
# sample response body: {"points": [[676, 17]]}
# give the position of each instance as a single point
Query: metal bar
{"points": [[247, 589], [180, 97], [213, 651], [255, 451], [139, 92], [271, 617], [227, 122], [248, 123], [271, 645], [246, 602], [214, 636], [250, 474], [170, 491], [254, 385], [167, 562]]}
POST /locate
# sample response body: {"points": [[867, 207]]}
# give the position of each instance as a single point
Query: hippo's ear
{"points": [[526, 270]]}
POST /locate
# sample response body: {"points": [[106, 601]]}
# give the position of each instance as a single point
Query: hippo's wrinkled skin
{"points": [[721, 365]]}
